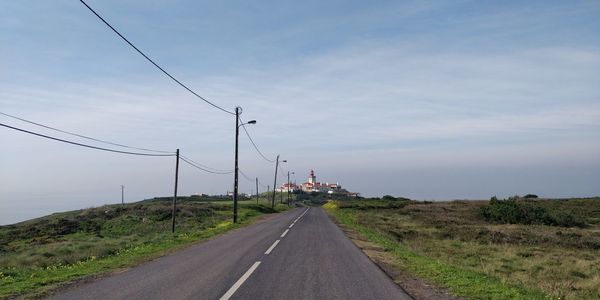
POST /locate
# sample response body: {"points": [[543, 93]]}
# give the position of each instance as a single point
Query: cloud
{"points": [[381, 96]]}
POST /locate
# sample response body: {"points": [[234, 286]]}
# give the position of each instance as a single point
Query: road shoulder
{"points": [[415, 287]]}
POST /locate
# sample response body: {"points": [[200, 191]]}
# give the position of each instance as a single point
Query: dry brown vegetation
{"points": [[562, 261]]}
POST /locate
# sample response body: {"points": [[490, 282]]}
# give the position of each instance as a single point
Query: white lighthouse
{"points": [[312, 178]]}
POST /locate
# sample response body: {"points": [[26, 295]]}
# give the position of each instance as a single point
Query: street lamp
{"points": [[288, 188], [275, 181], [281, 193], [238, 111]]}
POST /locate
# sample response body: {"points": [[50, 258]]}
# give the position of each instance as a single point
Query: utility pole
{"points": [[288, 189], [256, 190], [175, 195], [122, 195], [275, 182], [235, 177]]}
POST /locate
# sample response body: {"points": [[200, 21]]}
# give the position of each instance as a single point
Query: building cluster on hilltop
{"points": [[312, 185]]}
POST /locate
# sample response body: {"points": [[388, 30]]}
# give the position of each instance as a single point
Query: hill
{"points": [[38, 254]]}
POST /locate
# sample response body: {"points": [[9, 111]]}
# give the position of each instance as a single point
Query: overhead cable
{"points": [[205, 166], [263, 185], [201, 168], [83, 136], [152, 61], [254, 144], [83, 145], [245, 176]]}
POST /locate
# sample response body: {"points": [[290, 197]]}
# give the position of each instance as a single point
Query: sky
{"points": [[431, 100]]}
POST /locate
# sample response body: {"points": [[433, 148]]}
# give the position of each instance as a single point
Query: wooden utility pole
{"points": [[275, 182], [175, 194], [122, 195], [235, 177], [256, 190]]}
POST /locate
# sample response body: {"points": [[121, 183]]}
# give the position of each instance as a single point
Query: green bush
{"points": [[392, 198], [519, 211]]}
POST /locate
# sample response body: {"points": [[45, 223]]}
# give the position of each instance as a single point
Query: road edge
{"points": [[415, 287], [53, 289]]}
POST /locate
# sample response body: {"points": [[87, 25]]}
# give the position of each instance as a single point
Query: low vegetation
{"points": [[517, 210], [37, 255], [519, 248]]}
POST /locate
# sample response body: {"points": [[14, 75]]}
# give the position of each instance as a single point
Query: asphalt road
{"points": [[299, 254]]}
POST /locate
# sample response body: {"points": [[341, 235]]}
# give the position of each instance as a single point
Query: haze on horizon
{"points": [[421, 99]]}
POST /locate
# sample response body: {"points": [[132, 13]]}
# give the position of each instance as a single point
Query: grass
{"points": [[452, 245], [40, 254]]}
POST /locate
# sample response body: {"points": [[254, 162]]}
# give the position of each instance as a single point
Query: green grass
{"points": [[38, 255], [451, 245]]}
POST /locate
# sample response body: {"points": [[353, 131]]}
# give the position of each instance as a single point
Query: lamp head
{"points": [[252, 122]]}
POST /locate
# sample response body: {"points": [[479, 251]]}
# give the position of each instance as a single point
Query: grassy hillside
{"points": [[37, 255], [501, 249]]}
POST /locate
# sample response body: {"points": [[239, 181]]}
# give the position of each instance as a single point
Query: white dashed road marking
{"points": [[240, 281], [272, 247]]}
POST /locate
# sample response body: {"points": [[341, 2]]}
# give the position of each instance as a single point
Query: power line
{"points": [[201, 168], [254, 144], [83, 136], [83, 145], [250, 179], [152, 61], [282, 173], [262, 184], [245, 176]]}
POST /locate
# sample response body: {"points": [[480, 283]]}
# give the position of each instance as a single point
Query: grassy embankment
{"points": [[511, 249], [40, 254]]}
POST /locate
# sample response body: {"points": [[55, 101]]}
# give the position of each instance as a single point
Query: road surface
{"points": [[299, 254]]}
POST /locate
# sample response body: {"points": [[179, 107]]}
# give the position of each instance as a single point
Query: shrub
{"points": [[392, 198], [514, 211]]}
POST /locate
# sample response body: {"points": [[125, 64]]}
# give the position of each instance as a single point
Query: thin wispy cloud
{"points": [[384, 89]]}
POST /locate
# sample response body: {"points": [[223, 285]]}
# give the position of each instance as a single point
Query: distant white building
{"points": [[312, 185], [287, 187]]}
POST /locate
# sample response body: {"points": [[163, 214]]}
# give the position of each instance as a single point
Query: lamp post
{"points": [[288, 188], [275, 181], [281, 191], [238, 111]]}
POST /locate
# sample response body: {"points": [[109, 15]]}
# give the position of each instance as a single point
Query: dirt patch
{"points": [[415, 287]]}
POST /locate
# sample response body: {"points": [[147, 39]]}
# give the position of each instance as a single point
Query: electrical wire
{"points": [[152, 61], [263, 185], [84, 145], [282, 173], [83, 136], [205, 166], [201, 168], [254, 144], [245, 176]]}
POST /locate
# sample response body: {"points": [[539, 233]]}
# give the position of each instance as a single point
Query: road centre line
{"points": [[240, 281], [272, 247], [244, 277], [300, 217]]}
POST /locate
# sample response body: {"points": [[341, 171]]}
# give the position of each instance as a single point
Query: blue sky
{"points": [[424, 99]]}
